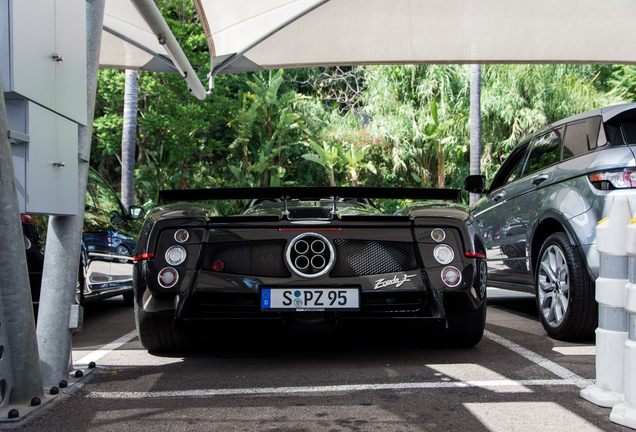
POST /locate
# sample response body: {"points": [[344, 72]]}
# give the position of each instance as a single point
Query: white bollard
{"points": [[625, 413], [611, 333]]}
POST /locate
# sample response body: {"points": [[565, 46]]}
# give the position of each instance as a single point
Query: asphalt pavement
{"points": [[515, 379]]}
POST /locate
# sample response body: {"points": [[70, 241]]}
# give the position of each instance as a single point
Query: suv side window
{"points": [[546, 150], [629, 131], [581, 137], [515, 172], [512, 167]]}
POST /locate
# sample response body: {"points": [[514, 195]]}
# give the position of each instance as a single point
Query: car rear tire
{"points": [[80, 286], [464, 330], [564, 291], [129, 298], [156, 332]]}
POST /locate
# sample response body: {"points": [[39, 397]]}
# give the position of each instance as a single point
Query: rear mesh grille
{"points": [[369, 257], [266, 258], [249, 258]]}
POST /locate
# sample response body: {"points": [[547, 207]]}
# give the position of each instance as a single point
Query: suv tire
{"points": [[564, 291]]}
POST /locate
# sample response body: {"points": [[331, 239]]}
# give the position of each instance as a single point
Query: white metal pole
{"points": [[611, 333], [625, 412]]}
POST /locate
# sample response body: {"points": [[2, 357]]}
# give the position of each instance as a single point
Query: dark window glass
{"points": [[614, 134], [629, 131], [90, 201], [101, 201], [581, 137], [105, 196], [516, 171], [512, 167], [546, 150]]}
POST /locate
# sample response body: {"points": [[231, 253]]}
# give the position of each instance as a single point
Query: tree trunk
{"points": [[128, 138], [475, 124], [441, 166]]}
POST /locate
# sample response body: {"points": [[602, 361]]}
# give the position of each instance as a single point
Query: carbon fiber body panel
{"points": [[389, 261]]}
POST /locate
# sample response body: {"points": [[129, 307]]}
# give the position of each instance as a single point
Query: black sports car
{"points": [[316, 257]]}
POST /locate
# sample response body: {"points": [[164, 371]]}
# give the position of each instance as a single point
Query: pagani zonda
{"points": [[309, 255]]}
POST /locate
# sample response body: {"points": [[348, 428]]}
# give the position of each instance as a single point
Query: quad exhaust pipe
{"points": [[318, 262], [302, 262], [310, 255]]}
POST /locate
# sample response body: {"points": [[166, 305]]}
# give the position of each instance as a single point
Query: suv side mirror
{"points": [[136, 212], [116, 218], [475, 184]]}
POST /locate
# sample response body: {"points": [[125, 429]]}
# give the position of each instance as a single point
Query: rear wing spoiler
{"points": [[307, 192]]}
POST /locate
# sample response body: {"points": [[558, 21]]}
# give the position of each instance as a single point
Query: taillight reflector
{"points": [[475, 255], [143, 257], [218, 265]]}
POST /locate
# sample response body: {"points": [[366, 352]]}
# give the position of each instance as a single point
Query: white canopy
{"points": [[246, 35], [129, 43], [267, 34]]}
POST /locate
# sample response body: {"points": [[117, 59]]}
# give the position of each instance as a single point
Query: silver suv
{"points": [[538, 217]]}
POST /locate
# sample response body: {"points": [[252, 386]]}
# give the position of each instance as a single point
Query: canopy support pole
{"points": [[19, 366], [151, 14], [64, 238]]}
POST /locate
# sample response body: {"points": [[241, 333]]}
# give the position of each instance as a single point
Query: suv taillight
{"points": [[609, 180]]}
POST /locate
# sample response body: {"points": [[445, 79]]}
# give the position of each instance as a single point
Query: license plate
{"points": [[310, 299]]}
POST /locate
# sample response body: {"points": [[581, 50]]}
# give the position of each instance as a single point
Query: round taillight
{"points": [[443, 254], [451, 276], [175, 255], [168, 277], [181, 236], [438, 235]]}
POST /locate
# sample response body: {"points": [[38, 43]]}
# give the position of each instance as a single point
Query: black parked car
{"points": [[538, 216], [108, 243], [309, 259]]}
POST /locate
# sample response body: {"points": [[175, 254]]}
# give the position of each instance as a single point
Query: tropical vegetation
{"points": [[402, 125]]}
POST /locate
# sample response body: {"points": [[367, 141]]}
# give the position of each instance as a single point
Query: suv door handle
{"points": [[499, 195], [537, 181]]}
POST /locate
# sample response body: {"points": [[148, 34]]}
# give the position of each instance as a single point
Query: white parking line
{"points": [[566, 376], [324, 389], [559, 371], [586, 350], [106, 349]]}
